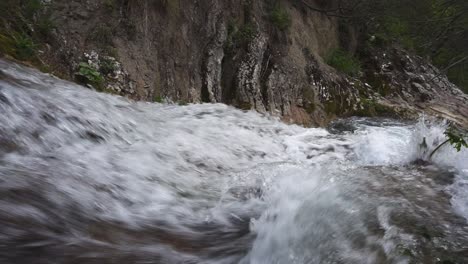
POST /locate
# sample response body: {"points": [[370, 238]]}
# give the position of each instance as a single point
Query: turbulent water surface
{"points": [[87, 177]]}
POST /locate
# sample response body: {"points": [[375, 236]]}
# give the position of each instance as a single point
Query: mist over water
{"points": [[87, 177]]}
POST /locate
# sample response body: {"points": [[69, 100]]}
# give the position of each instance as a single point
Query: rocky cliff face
{"points": [[262, 55]]}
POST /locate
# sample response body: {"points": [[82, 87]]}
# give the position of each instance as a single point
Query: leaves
{"points": [[89, 75], [344, 62], [456, 139]]}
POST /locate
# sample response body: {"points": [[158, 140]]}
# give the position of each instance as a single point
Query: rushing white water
{"points": [[87, 177]]}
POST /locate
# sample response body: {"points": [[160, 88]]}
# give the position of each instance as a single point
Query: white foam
{"points": [[306, 190]]}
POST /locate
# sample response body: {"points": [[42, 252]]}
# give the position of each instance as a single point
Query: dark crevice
{"points": [[205, 95], [267, 67]]}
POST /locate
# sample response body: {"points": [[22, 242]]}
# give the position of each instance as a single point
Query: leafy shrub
{"points": [[19, 46], [456, 139], [344, 62], [45, 25], [107, 66], [280, 18], [87, 74], [24, 25], [24, 47]]}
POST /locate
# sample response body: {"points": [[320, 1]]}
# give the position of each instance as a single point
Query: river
{"points": [[87, 177]]}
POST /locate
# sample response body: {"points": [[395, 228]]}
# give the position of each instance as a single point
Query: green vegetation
{"points": [[19, 46], [391, 29], [309, 100], [24, 47], [244, 106], [158, 99], [182, 102], [370, 107], [379, 83], [245, 33], [87, 74], [110, 5], [107, 66], [344, 62], [24, 26], [455, 138], [434, 29], [331, 107], [44, 26], [280, 17], [103, 38], [239, 36]]}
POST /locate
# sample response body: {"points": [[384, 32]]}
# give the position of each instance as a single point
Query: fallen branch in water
{"points": [[438, 147]]}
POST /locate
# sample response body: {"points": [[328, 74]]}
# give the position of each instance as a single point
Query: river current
{"points": [[87, 177]]}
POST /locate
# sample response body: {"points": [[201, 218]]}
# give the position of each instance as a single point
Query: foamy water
{"points": [[87, 177]]}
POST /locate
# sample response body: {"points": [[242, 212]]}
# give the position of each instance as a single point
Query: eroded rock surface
{"points": [[232, 52]]}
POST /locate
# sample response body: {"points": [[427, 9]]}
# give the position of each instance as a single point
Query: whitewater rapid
{"points": [[87, 177]]}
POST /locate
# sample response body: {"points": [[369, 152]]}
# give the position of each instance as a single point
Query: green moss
{"points": [[110, 5], [44, 68], [331, 107], [379, 84], [309, 100], [244, 105], [173, 6], [343, 62], [370, 107], [182, 102], [158, 99], [310, 107], [7, 45]]}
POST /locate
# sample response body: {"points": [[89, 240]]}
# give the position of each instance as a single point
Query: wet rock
{"points": [[341, 126], [93, 136], [166, 50], [4, 99], [248, 79], [418, 88]]}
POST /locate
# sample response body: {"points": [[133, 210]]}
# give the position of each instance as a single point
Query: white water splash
{"points": [[97, 178]]}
